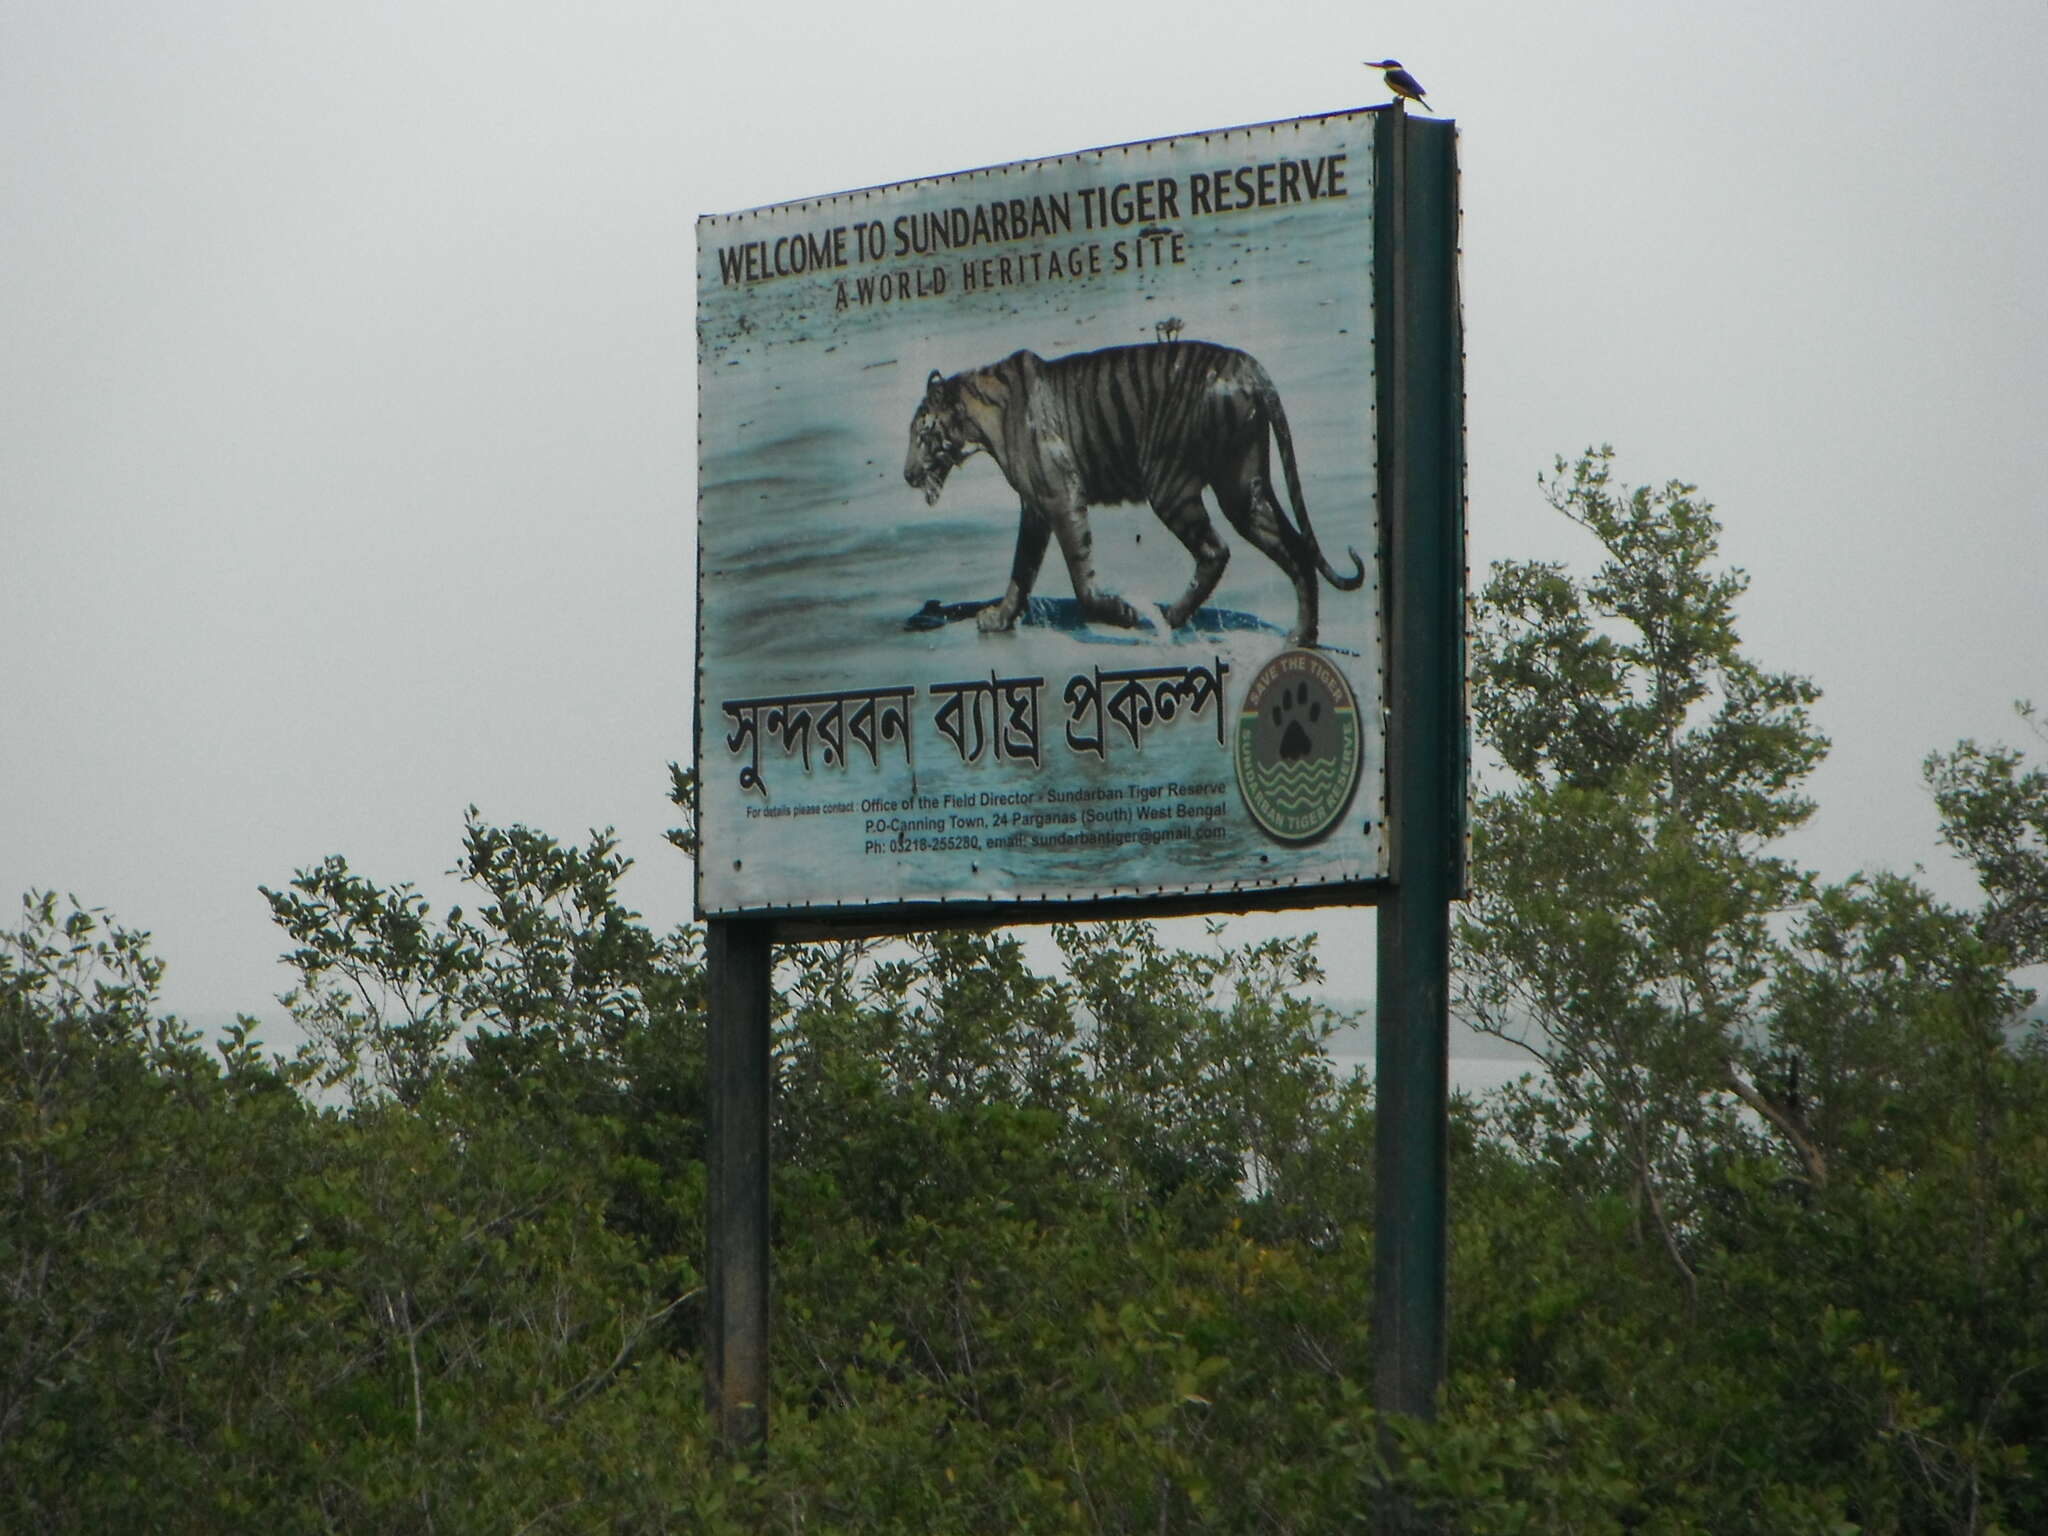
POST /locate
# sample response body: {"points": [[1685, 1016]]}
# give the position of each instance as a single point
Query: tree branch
{"points": [[1810, 1156]]}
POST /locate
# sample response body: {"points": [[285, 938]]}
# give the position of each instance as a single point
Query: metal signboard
{"points": [[1039, 537]]}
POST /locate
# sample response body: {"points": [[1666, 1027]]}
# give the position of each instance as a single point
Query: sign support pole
{"points": [[737, 961], [1422, 444]]}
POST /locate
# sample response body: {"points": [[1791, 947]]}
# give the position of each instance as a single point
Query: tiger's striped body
{"points": [[1155, 424]]}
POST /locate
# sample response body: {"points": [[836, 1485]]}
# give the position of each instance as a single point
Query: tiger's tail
{"points": [[1277, 414]]}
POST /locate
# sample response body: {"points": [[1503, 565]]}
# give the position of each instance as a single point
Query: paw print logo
{"points": [[1299, 747], [1295, 714]]}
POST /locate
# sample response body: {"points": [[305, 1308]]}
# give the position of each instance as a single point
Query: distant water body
{"points": [[1470, 1074], [1474, 1076]]}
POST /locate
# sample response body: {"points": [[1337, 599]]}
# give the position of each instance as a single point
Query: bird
{"points": [[1401, 83]]}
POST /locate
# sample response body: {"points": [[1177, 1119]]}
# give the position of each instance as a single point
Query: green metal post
{"points": [[1421, 447], [736, 957]]}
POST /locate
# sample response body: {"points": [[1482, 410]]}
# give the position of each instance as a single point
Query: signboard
{"points": [[1038, 536]]}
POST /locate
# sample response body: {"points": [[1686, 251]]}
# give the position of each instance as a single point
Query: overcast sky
{"points": [[347, 418]]}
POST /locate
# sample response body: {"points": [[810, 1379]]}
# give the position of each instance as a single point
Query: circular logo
{"points": [[1299, 747]]}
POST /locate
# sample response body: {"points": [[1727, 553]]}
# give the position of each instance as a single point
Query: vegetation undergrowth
{"points": [[1761, 1249]]}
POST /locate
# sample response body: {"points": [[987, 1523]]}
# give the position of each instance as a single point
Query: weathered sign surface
{"points": [[1038, 534]]}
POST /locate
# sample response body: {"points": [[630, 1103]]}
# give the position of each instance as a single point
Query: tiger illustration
{"points": [[1153, 423]]}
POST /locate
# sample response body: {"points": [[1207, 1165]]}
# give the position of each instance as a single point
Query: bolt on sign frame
{"points": [[943, 678]]}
